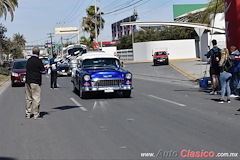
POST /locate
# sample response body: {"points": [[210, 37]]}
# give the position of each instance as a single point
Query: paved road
{"points": [[167, 112]]}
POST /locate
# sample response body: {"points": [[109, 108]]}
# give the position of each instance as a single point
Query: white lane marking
{"points": [[47, 76], [79, 105], [4, 86], [179, 104]]}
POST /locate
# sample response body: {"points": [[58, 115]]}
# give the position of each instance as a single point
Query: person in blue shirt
{"points": [[235, 57], [53, 64]]}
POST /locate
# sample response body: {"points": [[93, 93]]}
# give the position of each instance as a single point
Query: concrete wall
{"points": [[177, 49]]}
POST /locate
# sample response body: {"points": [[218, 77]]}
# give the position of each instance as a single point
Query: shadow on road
{"points": [[65, 107], [7, 158]]}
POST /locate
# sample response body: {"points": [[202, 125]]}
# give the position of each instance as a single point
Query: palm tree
{"points": [[88, 24], [213, 7], [19, 40], [86, 42], [8, 6]]}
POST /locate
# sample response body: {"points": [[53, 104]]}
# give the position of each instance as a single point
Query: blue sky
{"points": [[36, 18]]}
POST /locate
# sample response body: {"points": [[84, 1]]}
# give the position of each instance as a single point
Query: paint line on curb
{"points": [[190, 76]]}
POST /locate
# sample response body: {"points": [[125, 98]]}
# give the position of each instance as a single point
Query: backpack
{"points": [[216, 56]]}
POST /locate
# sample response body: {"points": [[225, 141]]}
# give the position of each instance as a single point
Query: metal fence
{"points": [[125, 54]]}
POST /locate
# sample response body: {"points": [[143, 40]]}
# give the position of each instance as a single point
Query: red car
{"points": [[18, 71], [160, 57]]}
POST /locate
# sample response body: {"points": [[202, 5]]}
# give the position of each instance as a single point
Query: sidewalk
{"points": [[192, 68]]}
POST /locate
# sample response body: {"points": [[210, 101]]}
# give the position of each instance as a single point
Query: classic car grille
{"points": [[24, 74], [108, 83]]}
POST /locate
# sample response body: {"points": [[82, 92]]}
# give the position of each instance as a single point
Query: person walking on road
{"points": [[225, 65], [53, 64], [215, 55], [34, 72], [235, 57]]}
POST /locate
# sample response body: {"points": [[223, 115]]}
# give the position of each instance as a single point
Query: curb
{"points": [[2, 83], [190, 76]]}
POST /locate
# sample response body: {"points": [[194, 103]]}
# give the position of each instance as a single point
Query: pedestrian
{"points": [[53, 64], [34, 72], [215, 55], [235, 57], [225, 75]]}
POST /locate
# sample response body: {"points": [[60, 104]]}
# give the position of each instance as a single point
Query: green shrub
{"points": [[4, 71]]}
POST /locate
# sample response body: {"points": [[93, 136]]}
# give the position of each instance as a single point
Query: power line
{"points": [[154, 10], [70, 12], [133, 8], [122, 8], [74, 18]]}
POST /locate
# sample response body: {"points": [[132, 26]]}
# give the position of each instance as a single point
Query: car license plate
{"points": [[65, 74], [109, 90], [160, 60]]}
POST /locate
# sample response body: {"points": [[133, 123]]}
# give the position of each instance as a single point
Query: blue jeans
{"points": [[225, 83], [234, 83]]}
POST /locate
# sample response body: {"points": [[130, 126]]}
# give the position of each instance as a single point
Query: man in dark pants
{"points": [[53, 64], [35, 69], [215, 55]]}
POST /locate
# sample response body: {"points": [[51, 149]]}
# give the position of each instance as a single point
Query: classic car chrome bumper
{"points": [[107, 89]]}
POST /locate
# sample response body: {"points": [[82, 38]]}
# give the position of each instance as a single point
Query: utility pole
{"points": [[50, 36], [101, 29], [96, 36]]}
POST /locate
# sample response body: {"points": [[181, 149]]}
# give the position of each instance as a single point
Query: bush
{"points": [[4, 71]]}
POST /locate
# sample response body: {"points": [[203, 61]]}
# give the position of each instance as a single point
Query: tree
{"points": [[19, 40], [206, 16], [8, 6], [7, 44], [88, 24], [86, 42]]}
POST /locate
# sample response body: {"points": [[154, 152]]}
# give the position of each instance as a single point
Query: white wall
{"points": [[177, 49], [110, 50]]}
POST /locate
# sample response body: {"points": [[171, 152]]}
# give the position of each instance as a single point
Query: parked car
{"points": [[18, 72], [160, 57], [101, 72], [63, 67], [44, 59]]}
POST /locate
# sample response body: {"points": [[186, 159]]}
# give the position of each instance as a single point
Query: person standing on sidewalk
{"points": [[225, 76], [53, 64], [215, 55], [235, 57], [34, 72]]}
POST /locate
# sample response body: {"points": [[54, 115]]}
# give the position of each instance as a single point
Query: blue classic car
{"points": [[101, 72]]}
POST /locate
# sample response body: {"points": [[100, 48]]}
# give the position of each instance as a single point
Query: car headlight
{"points": [[128, 76], [86, 77], [14, 74]]}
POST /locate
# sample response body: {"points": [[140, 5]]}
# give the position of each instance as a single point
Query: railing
{"points": [[125, 54]]}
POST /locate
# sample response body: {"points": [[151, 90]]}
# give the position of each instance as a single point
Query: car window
{"points": [[101, 62], [160, 53], [19, 65]]}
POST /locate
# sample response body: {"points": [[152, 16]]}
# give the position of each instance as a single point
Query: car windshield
{"points": [[160, 53], [45, 61], [101, 62], [20, 65], [73, 50]]}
